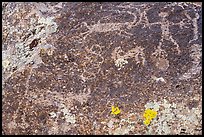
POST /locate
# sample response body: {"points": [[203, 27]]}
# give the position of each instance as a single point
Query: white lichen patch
{"points": [[50, 26], [5, 63], [152, 105], [53, 114], [121, 131], [120, 63], [174, 117], [25, 38], [157, 79], [110, 124], [69, 118]]}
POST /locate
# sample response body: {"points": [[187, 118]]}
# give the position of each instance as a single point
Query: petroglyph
{"points": [[165, 31], [109, 27], [196, 55], [195, 26], [160, 53], [91, 63], [61, 61], [120, 60], [160, 58]]}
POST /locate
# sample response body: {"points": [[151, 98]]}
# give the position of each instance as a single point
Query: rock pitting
{"points": [[65, 64]]}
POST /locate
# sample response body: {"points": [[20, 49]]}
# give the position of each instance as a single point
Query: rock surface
{"points": [[65, 64]]}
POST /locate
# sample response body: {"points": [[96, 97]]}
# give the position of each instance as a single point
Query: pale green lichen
{"points": [[5, 63], [174, 117], [152, 105], [121, 131], [50, 26], [69, 118], [120, 63]]}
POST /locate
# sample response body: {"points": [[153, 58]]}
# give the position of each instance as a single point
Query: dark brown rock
{"points": [[66, 64]]}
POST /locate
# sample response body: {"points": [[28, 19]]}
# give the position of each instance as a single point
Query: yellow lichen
{"points": [[115, 110], [148, 115]]}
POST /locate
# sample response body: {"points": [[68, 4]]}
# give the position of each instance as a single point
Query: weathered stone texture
{"points": [[66, 64]]}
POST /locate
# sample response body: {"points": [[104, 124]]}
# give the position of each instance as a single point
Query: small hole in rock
{"points": [[177, 86]]}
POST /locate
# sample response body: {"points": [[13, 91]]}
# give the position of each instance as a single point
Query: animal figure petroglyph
{"points": [[109, 27]]}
